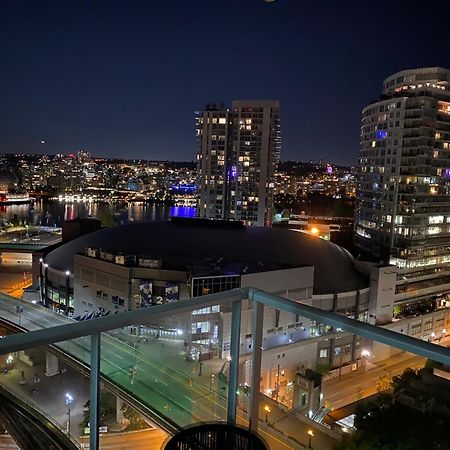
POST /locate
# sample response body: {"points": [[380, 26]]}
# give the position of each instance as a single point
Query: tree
{"points": [[135, 420], [107, 409], [384, 383], [403, 380], [382, 425]]}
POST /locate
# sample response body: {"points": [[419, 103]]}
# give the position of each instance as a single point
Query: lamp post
{"points": [[267, 410], [211, 383], [67, 305], [365, 355], [68, 401], [311, 435]]}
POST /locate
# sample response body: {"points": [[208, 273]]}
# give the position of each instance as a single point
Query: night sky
{"points": [[123, 78]]}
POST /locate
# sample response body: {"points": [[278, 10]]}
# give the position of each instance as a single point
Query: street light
{"points": [[68, 401], [365, 355], [267, 410], [311, 435]]}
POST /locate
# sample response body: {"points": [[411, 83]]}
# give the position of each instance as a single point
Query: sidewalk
{"points": [[288, 425], [50, 393]]}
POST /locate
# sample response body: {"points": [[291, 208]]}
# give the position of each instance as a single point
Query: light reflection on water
{"points": [[55, 212]]}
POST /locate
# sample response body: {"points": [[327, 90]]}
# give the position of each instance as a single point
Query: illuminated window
{"points": [[222, 120], [200, 327], [381, 134], [434, 230], [436, 219]]}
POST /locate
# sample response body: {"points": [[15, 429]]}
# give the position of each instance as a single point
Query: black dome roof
{"points": [[334, 269]]}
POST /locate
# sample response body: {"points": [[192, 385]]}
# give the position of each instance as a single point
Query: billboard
{"points": [[171, 293], [145, 294], [156, 293]]}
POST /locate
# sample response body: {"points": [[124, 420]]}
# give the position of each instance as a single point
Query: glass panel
{"points": [[41, 382], [318, 383], [173, 365]]}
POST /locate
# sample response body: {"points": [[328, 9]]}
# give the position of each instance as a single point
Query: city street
{"points": [[49, 393], [357, 385], [163, 387], [157, 373], [135, 440], [13, 280]]}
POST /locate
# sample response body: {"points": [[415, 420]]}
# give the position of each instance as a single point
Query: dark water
{"points": [[55, 212]]}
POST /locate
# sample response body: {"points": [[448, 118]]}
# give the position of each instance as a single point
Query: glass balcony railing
{"points": [[298, 376]]}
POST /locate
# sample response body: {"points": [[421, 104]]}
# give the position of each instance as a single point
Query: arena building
{"points": [[144, 264]]}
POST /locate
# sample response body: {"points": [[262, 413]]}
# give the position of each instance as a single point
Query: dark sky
{"points": [[123, 78]]}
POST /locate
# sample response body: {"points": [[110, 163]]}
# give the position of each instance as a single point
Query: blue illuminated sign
{"points": [[381, 134], [184, 188]]}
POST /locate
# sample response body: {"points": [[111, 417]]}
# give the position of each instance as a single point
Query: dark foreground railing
{"points": [[215, 436]]}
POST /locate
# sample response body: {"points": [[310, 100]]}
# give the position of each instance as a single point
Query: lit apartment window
{"points": [[323, 353]]}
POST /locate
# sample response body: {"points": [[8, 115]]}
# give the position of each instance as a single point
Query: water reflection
{"points": [[55, 212]]}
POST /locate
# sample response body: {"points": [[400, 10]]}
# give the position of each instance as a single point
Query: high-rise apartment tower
{"points": [[403, 208], [238, 151]]}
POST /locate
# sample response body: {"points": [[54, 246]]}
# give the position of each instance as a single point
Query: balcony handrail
{"points": [[75, 330]]}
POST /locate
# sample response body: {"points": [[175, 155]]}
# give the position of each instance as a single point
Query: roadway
{"points": [[357, 385], [163, 380], [30, 429], [134, 440], [158, 384]]}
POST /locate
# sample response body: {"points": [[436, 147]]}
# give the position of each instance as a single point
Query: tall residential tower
{"points": [[403, 210], [238, 151]]}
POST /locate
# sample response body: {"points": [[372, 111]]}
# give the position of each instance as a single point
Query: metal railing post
{"points": [[234, 362], [258, 318], [94, 404]]}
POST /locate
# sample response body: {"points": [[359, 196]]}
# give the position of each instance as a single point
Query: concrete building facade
{"points": [[238, 151]]}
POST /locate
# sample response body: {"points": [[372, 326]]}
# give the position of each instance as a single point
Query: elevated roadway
{"points": [[155, 386], [30, 429]]}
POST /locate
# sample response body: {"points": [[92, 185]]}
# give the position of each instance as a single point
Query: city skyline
{"points": [[223, 222], [102, 78]]}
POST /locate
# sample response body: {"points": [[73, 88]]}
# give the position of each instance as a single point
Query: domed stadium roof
{"points": [[334, 269]]}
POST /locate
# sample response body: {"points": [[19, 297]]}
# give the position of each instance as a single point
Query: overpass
{"points": [[119, 359], [158, 385], [29, 247], [18, 416]]}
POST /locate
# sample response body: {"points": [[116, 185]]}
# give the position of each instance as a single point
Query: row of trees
{"points": [[382, 424]]}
